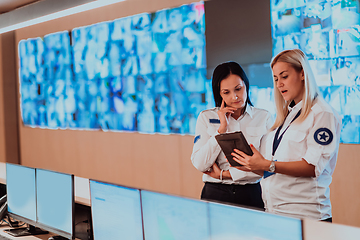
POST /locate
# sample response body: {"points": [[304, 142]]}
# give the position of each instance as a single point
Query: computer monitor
{"points": [[228, 222], [55, 202], [172, 217], [21, 198], [115, 211]]}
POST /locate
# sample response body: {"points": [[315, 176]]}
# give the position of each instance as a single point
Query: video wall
{"points": [[147, 73], [144, 73], [329, 34]]}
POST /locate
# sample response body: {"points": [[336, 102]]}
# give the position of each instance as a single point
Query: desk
{"points": [[316, 230], [4, 235]]}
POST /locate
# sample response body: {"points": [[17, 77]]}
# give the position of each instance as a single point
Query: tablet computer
{"points": [[229, 141]]}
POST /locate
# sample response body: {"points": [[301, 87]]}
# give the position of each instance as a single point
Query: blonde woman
{"points": [[302, 146]]}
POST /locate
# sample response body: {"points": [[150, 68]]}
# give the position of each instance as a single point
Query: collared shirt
{"points": [[315, 139], [254, 123]]}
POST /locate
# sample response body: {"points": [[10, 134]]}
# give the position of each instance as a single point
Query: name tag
{"points": [[216, 121]]}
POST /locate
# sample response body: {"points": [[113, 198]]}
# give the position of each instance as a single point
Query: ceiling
{"points": [[16, 14], [9, 5]]}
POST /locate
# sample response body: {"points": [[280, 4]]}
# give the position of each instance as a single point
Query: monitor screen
{"points": [[115, 211], [21, 192], [230, 222], [55, 202], [171, 217]]}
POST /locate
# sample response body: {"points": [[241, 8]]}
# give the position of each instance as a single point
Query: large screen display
{"points": [[115, 211], [46, 80], [142, 73], [169, 217], [328, 31]]}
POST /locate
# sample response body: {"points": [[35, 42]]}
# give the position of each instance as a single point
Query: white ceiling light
{"points": [[59, 14]]}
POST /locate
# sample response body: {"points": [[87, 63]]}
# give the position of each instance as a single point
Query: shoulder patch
{"points": [[196, 138], [213, 120], [323, 136]]}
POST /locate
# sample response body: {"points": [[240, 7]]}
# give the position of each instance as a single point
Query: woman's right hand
{"points": [[224, 114]]}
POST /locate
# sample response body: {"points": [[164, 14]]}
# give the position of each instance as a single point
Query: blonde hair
{"points": [[297, 59]]}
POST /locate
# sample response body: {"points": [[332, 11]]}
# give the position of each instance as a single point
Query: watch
{"points": [[272, 166]]}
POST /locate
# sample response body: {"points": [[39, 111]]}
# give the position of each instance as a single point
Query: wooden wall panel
{"points": [[2, 122], [154, 162], [191, 178], [345, 187], [9, 143]]}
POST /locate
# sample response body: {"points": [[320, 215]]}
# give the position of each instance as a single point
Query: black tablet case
{"points": [[230, 141]]}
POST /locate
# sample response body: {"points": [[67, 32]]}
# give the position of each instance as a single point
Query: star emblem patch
{"points": [[323, 136]]}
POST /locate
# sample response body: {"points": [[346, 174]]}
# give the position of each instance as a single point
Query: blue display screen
{"points": [[169, 217], [328, 33], [116, 212], [229, 222], [21, 191], [143, 73], [55, 200]]}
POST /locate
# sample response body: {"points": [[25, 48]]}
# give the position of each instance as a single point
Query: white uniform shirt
{"points": [[316, 140], [254, 124]]}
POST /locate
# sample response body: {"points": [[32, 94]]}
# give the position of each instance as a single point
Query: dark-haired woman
{"points": [[233, 112]]}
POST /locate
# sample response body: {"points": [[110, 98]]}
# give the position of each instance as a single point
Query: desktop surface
{"points": [[4, 235]]}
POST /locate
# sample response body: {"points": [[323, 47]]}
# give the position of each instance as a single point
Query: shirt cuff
{"points": [[237, 175], [313, 158]]}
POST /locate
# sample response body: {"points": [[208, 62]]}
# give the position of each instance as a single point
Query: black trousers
{"points": [[248, 195]]}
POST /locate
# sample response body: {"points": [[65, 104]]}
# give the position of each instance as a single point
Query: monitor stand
{"points": [[25, 231]]}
